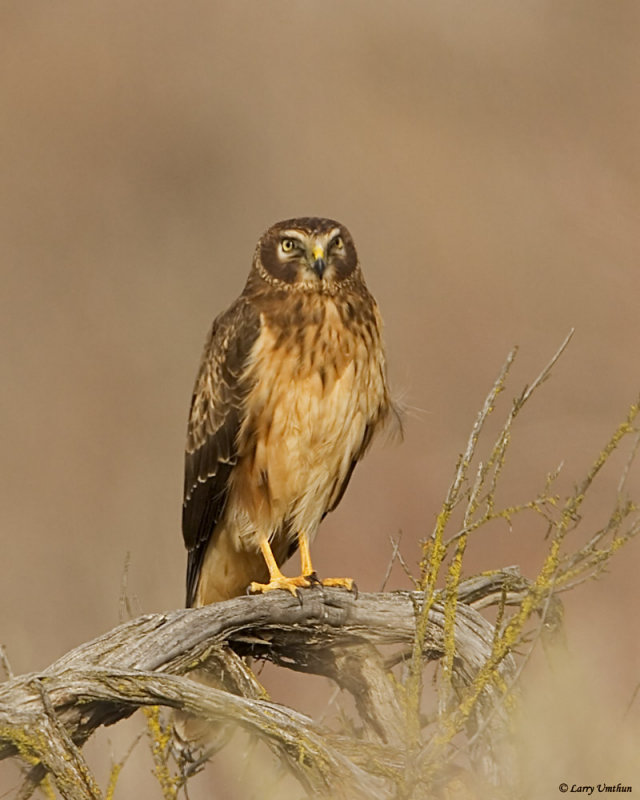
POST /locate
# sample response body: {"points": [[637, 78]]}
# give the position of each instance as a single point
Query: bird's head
{"points": [[310, 253]]}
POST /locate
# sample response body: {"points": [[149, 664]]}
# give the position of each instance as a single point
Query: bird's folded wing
{"points": [[217, 409]]}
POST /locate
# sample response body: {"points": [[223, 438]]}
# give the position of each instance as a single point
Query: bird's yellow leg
{"points": [[276, 579], [305, 554], [307, 568], [308, 577]]}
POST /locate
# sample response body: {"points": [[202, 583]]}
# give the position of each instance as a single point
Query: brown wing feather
{"points": [[215, 417]]}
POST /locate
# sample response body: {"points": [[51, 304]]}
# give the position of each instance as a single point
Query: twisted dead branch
{"points": [[46, 717]]}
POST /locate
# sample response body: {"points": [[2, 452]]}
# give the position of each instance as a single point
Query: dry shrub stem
{"points": [[394, 748]]}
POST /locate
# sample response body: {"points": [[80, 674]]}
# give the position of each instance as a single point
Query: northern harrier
{"points": [[292, 386]]}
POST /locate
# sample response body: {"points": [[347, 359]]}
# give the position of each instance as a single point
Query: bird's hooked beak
{"points": [[318, 264]]}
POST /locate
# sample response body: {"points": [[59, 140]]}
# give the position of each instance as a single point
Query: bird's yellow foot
{"points": [[344, 583], [288, 584]]}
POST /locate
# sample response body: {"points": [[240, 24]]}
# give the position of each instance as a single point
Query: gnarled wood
{"points": [[324, 631]]}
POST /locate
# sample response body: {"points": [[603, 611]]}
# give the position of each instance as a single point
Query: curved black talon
{"points": [[354, 589], [313, 579]]}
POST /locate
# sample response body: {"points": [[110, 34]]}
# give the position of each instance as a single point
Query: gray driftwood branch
{"points": [[46, 717]]}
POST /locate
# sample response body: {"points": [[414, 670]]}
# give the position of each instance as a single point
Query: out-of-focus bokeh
{"points": [[486, 157]]}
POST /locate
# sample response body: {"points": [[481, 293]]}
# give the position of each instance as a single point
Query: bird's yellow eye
{"points": [[287, 245], [337, 243]]}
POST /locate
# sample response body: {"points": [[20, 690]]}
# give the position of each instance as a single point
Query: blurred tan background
{"points": [[486, 157]]}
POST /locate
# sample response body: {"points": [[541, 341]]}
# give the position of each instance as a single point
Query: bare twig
{"points": [[4, 662]]}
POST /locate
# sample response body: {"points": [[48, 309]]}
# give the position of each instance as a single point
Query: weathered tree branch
{"points": [[46, 717]]}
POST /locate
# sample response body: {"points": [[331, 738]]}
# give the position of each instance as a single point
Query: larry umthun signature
{"points": [[600, 787]]}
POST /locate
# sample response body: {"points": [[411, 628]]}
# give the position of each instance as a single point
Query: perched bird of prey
{"points": [[291, 389]]}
